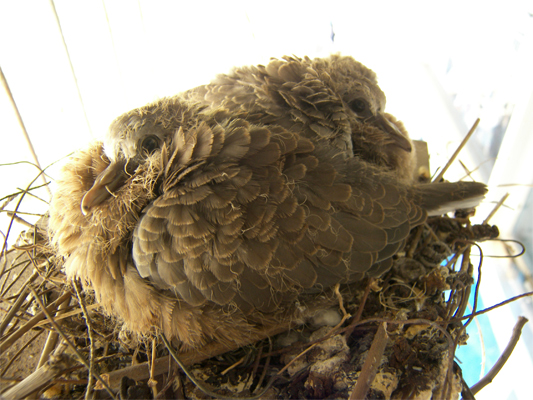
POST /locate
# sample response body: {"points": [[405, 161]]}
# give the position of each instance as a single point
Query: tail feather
{"points": [[443, 197]]}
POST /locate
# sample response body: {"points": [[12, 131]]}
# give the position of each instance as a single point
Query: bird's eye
{"points": [[150, 144], [358, 105]]}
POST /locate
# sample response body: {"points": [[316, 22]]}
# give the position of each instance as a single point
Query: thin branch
{"points": [[517, 331], [478, 284], [80, 97], [4, 246], [22, 348], [68, 314], [21, 298], [475, 169], [265, 367], [42, 378], [152, 383], [372, 363], [486, 310], [21, 124], [90, 379], [496, 208], [69, 343], [454, 156], [32, 322], [232, 366], [201, 386], [360, 309], [255, 366]]}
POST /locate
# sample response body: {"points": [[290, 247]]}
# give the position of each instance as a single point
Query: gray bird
{"points": [[219, 212]]}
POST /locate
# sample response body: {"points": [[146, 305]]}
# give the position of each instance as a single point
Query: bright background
{"points": [[73, 66]]}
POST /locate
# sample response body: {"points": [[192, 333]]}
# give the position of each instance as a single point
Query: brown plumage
{"points": [[335, 101], [209, 214]]}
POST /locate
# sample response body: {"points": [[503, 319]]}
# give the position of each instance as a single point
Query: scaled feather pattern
{"points": [[233, 206]]}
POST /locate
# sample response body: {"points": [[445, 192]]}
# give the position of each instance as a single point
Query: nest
{"points": [[396, 337], [392, 338]]}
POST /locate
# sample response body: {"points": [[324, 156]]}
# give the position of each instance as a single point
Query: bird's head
{"points": [[358, 88], [104, 188], [376, 136], [136, 145], [130, 146]]}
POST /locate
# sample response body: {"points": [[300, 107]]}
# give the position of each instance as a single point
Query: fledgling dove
{"points": [[212, 221], [335, 100]]}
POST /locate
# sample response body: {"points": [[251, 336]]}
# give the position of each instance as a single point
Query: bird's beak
{"points": [[105, 185], [397, 136]]}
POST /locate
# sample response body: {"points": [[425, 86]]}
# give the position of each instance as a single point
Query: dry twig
{"points": [[517, 331], [372, 363], [456, 153]]}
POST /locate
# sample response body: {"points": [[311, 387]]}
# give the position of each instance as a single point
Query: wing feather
{"points": [[269, 214]]}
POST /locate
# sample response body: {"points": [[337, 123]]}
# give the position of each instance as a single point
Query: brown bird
{"points": [[335, 100], [213, 221]]}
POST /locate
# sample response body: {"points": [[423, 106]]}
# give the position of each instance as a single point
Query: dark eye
{"points": [[358, 105], [150, 144]]}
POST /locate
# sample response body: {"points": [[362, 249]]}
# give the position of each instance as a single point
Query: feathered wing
{"points": [[252, 216], [291, 92]]}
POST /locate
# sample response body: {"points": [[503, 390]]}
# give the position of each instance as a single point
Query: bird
{"points": [[335, 100], [232, 207]]}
